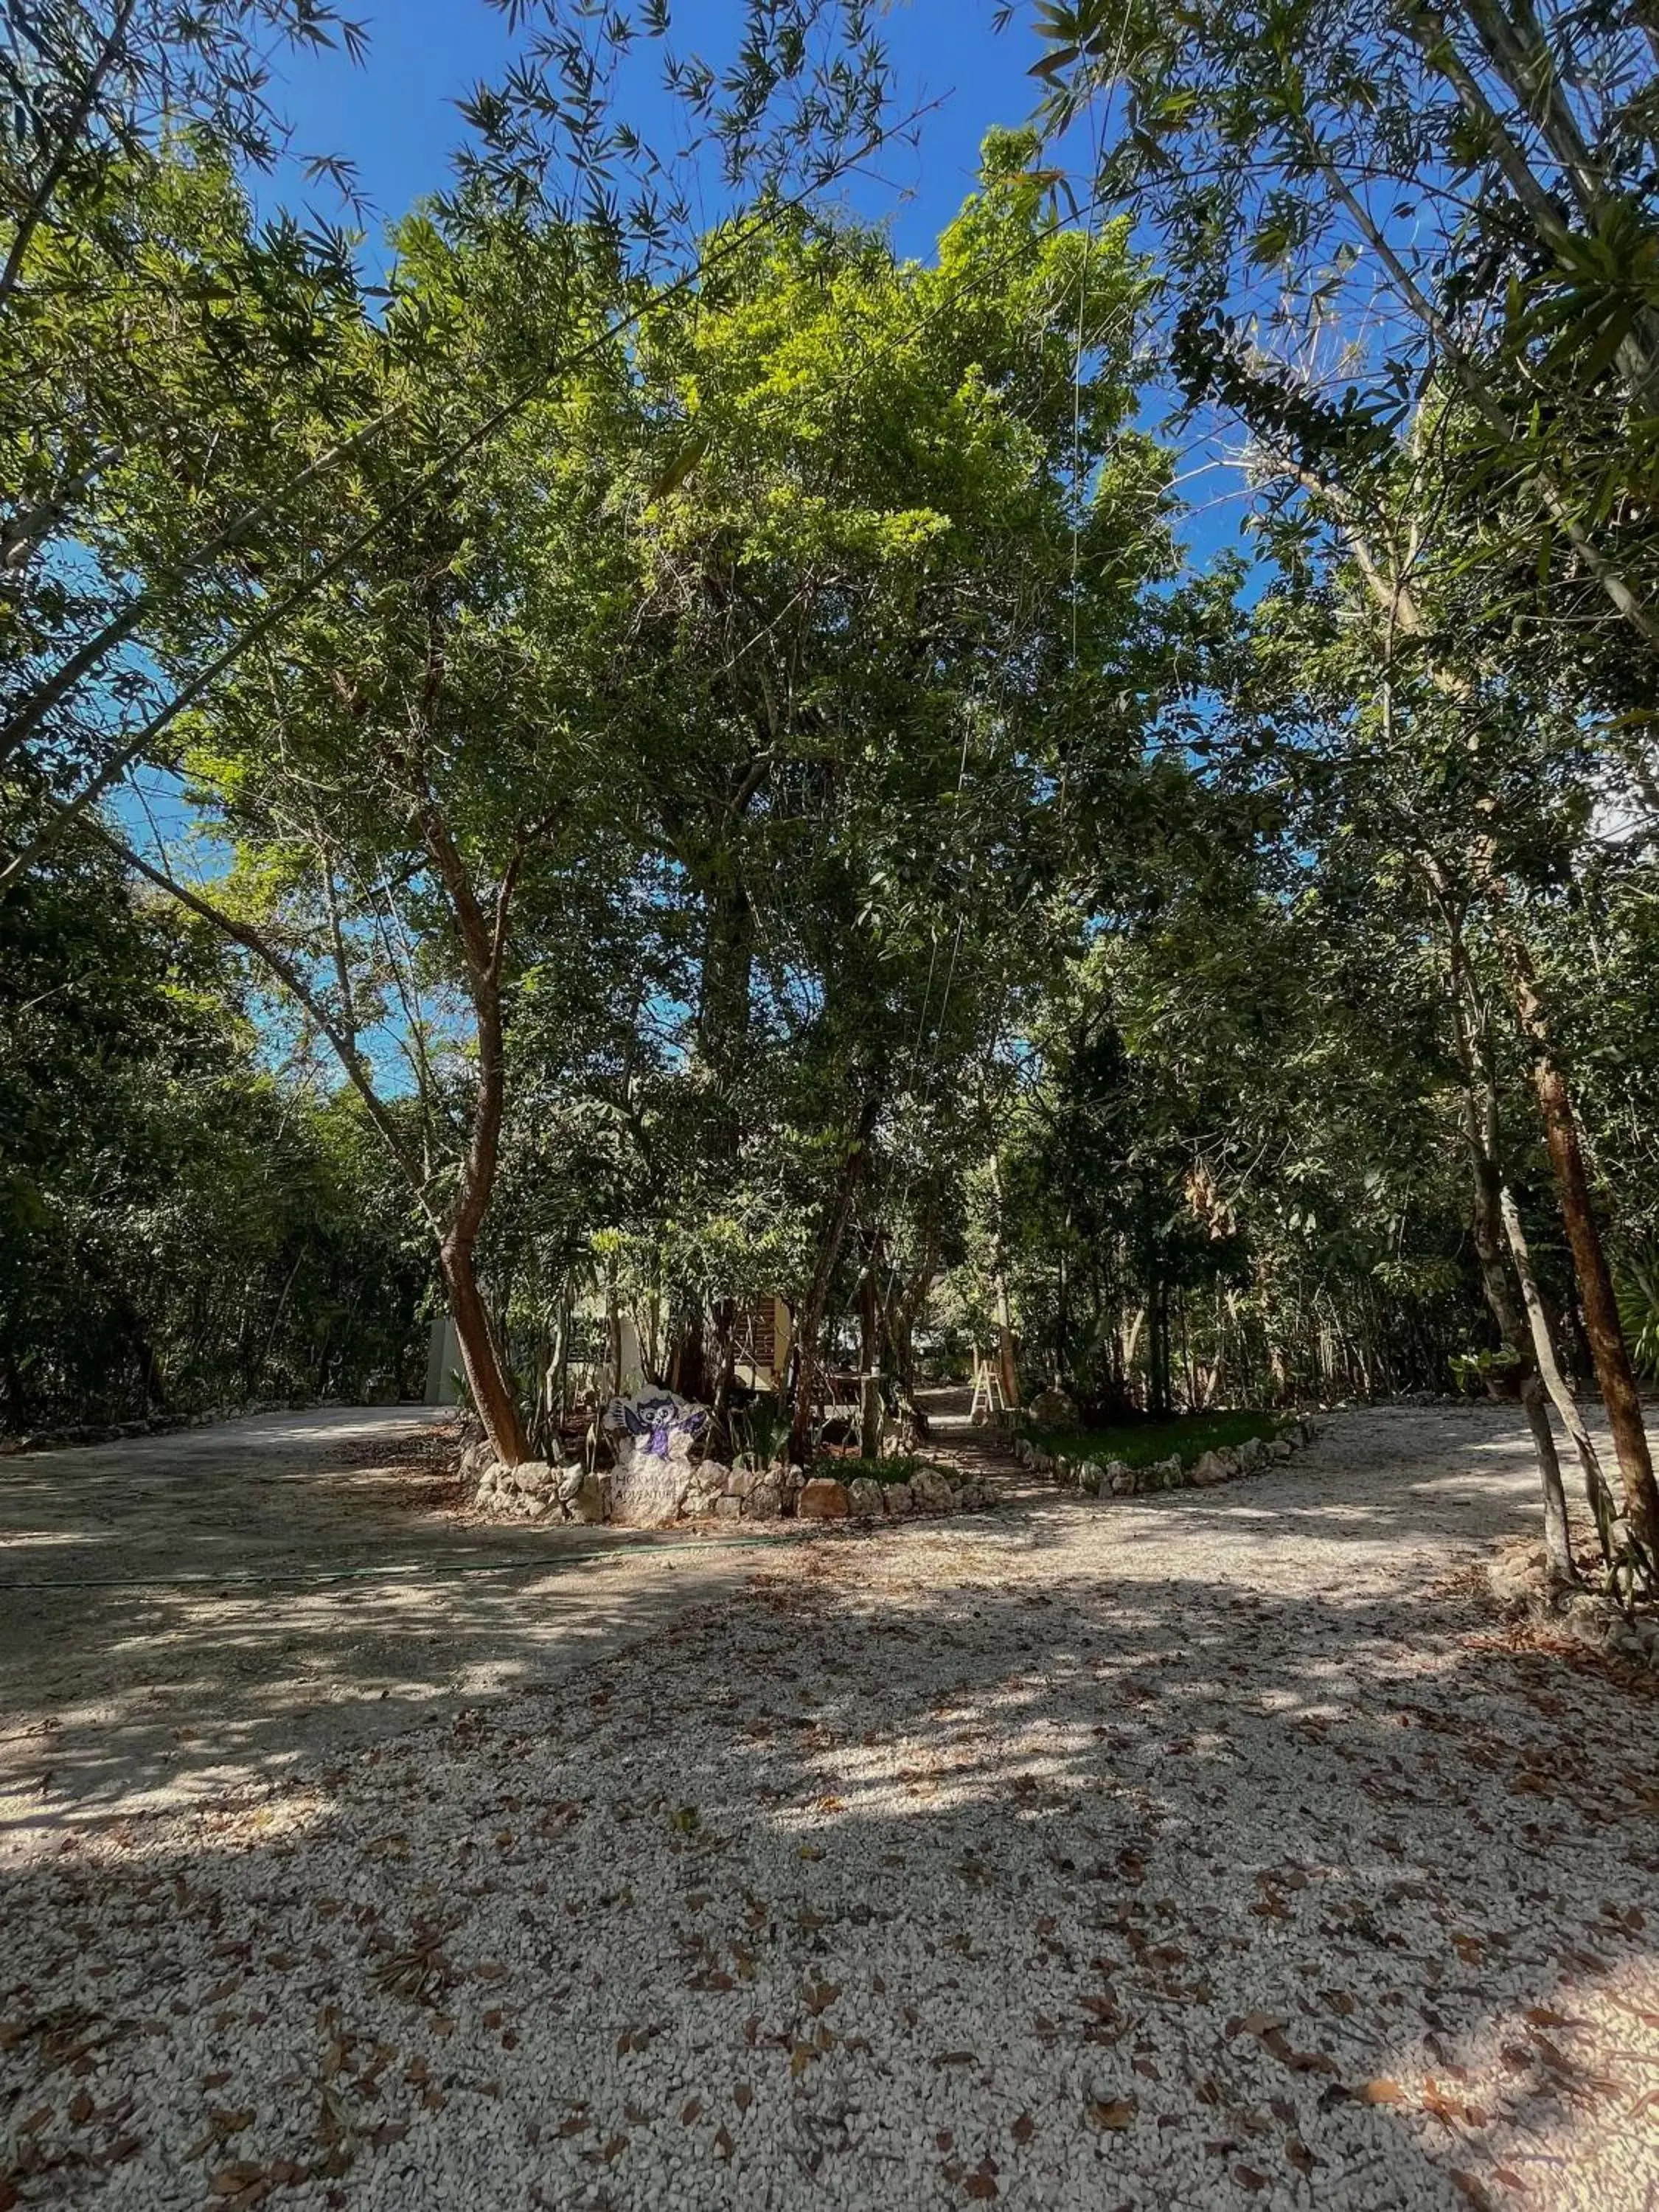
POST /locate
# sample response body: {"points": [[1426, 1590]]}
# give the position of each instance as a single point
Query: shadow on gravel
{"points": [[1235, 1857], [112, 1697], [179, 1692]]}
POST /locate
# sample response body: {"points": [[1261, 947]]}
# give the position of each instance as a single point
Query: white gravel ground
{"points": [[1205, 1850]]}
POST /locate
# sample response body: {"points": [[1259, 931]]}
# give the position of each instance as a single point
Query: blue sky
{"points": [[396, 116]]}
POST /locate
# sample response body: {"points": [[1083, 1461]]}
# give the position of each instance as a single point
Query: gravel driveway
{"points": [[1205, 1850], [183, 1614]]}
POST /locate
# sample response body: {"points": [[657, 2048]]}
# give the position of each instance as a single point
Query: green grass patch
{"points": [[1137, 1443], [899, 1468]]}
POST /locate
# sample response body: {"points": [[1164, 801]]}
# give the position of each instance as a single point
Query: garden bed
{"points": [[1192, 1452]]}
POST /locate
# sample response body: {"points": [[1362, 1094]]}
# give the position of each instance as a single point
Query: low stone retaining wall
{"points": [[644, 1491], [1117, 1479], [930, 1490]]}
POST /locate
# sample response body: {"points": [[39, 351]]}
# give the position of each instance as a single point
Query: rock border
{"points": [[686, 1490], [930, 1490], [1117, 1479]]}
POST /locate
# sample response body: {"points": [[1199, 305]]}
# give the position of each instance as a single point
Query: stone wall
{"points": [[1116, 1479], [645, 1491]]}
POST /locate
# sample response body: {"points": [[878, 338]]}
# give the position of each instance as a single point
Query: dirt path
{"points": [[185, 1641], [1195, 1853]]}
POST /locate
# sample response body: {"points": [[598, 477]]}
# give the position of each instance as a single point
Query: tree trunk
{"points": [[1480, 1130], [871, 1410], [725, 1317], [1062, 1364], [688, 1364], [810, 1320], [1595, 1484], [1159, 1347], [1613, 1374], [484, 946], [898, 1321], [1007, 1367], [486, 1378], [1007, 1373]]}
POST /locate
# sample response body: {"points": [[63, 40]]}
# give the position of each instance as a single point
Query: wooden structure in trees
{"points": [[765, 1334]]}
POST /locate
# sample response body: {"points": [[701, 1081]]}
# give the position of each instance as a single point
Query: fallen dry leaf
{"points": [[231, 2180], [1115, 2112], [1476, 2191]]}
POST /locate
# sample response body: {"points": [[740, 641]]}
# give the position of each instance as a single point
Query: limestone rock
{"points": [[647, 1492], [822, 1499], [930, 1492], [709, 1482], [896, 1497], [534, 1477], [864, 1497], [1052, 1409], [1515, 1574], [764, 1500], [1208, 1468], [589, 1503]]}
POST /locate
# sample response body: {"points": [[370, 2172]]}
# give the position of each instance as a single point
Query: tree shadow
{"points": [[117, 1696], [947, 1865], [184, 1614]]}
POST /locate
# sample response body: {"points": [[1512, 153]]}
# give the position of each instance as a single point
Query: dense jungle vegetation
{"points": [[655, 760]]}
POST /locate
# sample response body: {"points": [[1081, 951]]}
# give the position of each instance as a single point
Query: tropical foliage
{"points": [[708, 769]]}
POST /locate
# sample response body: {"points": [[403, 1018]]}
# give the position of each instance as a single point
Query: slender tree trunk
{"points": [[688, 1366], [1158, 1346], [1596, 1483], [1007, 1367], [870, 1403], [1613, 1374], [1007, 1373], [483, 944], [1480, 1131], [810, 1320], [724, 1314], [898, 1322]]}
